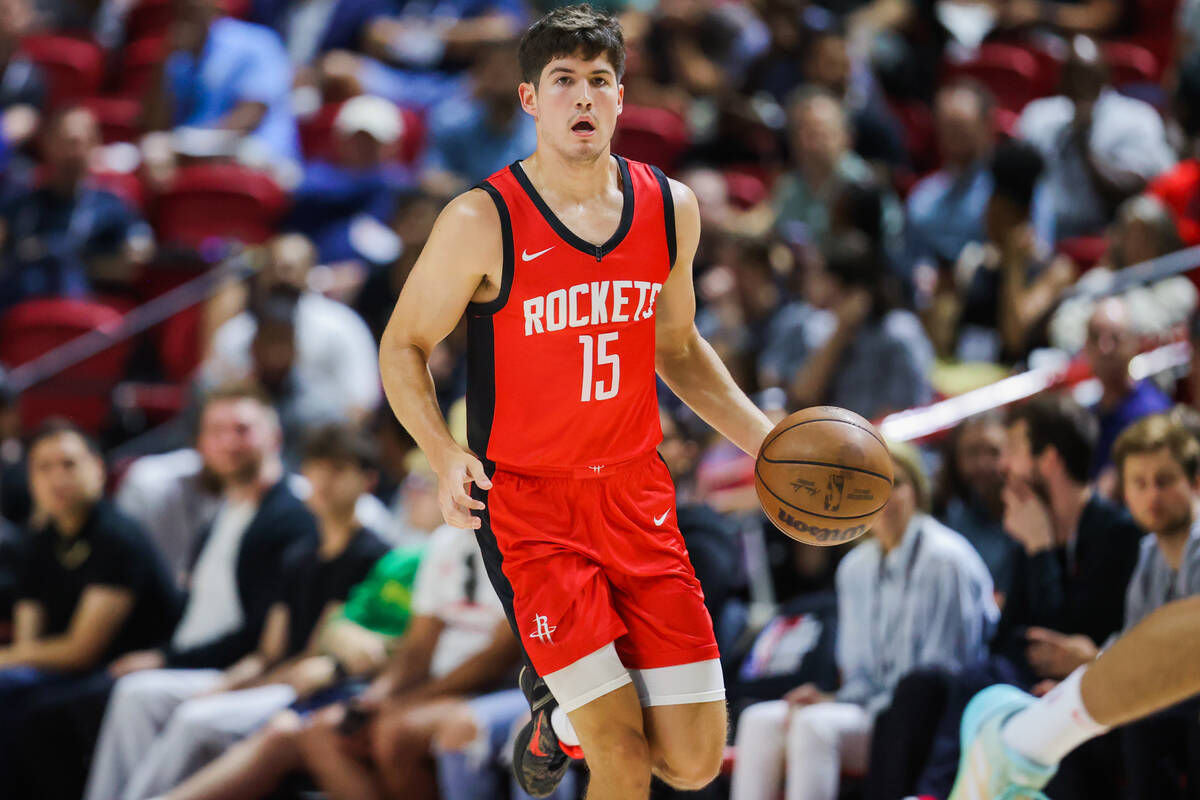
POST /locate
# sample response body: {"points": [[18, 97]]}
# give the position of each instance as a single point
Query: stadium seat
{"points": [[177, 338], [82, 392], [118, 117], [1012, 74], [138, 62], [920, 141], [74, 67], [747, 187], [218, 201], [316, 134], [654, 135], [1130, 63], [1085, 251], [147, 19]]}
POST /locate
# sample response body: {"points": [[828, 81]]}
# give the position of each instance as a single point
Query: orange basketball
{"points": [[823, 475]]}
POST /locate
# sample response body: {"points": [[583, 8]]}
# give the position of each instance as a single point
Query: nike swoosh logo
{"points": [[535, 741], [527, 256], [659, 520]]}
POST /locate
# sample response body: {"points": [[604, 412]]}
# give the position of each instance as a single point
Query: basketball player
{"points": [[1012, 743], [574, 268]]}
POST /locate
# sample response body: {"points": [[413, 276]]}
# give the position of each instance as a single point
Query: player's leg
{"points": [[1011, 739], [618, 755], [687, 742]]}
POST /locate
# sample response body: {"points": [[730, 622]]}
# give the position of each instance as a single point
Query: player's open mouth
{"points": [[583, 128]]}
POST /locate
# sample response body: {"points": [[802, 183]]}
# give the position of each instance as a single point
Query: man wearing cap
{"points": [[915, 594], [345, 205]]}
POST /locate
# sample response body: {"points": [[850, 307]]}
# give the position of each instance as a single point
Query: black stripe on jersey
{"points": [[506, 239], [668, 212], [493, 562], [481, 385], [565, 233]]}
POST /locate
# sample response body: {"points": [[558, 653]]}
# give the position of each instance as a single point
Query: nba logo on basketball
{"points": [[542, 629]]}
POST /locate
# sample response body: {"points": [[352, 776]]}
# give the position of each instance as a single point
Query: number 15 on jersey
{"points": [[596, 353]]}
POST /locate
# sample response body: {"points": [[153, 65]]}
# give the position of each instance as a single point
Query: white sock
{"points": [[1047, 730], [563, 728]]}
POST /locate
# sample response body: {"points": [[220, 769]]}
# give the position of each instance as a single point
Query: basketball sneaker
{"points": [[539, 759], [988, 769]]}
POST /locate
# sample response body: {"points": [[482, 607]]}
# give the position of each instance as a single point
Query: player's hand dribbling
{"points": [[456, 472]]}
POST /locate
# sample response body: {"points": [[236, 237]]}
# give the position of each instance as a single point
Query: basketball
{"points": [[823, 475]]}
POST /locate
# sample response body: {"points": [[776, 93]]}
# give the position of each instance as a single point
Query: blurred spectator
{"points": [[1092, 17], [1111, 345], [92, 586], [970, 494], [344, 207], [412, 221], [15, 503], [224, 88], [740, 300], [311, 29], [1077, 552], [482, 130], [1179, 188], [22, 84], [820, 145], [418, 54], [335, 359], [873, 359], [162, 725], [946, 209], [61, 236], [702, 47], [1099, 146], [459, 644], [1158, 461], [1143, 230], [825, 61], [1002, 292], [935, 598]]}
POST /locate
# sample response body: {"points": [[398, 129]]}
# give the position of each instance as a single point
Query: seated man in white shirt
{"points": [[915, 593], [1099, 146]]}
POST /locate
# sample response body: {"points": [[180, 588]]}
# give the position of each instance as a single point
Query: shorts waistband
{"points": [[589, 472]]}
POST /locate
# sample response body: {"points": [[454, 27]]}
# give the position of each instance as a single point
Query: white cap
{"points": [[373, 115]]}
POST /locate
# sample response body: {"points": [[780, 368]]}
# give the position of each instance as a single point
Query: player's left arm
{"points": [[684, 360]]}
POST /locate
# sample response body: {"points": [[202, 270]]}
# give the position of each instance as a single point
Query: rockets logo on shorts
{"points": [[542, 629]]}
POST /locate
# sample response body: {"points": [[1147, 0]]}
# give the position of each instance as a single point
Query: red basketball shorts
{"points": [[584, 562]]}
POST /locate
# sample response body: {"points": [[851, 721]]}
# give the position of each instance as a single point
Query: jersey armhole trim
{"points": [[668, 212], [506, 245]]}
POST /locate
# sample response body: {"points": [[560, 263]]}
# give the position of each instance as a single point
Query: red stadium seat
{"points": [[919, 138], [747, 188], [178, 337], [118, 117], [149, 18], [654, 135], [1012, 74], [218, 201], [1130, 63], [125, 185], [138, 62], [1085, 251], [316, 134], [82, 392], [74, 67]]}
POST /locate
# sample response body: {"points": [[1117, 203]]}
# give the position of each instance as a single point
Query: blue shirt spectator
{"points": [[239, 63], [312, 27], [1143, 400], [470, 141], [59, 236], [344, 207]]}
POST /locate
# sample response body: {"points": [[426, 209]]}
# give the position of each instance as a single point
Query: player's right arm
{"points": [[461, 262]]}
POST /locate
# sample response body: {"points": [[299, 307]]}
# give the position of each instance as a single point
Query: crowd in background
{"points": [[252, 594]]}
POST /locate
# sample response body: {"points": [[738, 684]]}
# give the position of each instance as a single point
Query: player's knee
{"points": [[692, 771], [621, 749]]}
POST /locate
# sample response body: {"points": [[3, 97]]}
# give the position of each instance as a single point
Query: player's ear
{"points": [[528, 94], [620, 98]]}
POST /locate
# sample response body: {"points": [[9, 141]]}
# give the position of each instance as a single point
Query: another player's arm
{"points": [[458, 260], [684, 359]]}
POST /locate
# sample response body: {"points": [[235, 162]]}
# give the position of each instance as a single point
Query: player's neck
{"points": [[569, 181]]}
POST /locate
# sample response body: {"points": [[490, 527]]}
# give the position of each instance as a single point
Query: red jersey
{"points": [[560, 366]]}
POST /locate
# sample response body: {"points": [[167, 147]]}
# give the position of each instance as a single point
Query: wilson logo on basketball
{"points": [[821, 534]]}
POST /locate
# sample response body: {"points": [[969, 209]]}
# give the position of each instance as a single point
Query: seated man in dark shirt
{"points": [[1077, 553], [92, 587], [61, 237], [145, 747]]}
